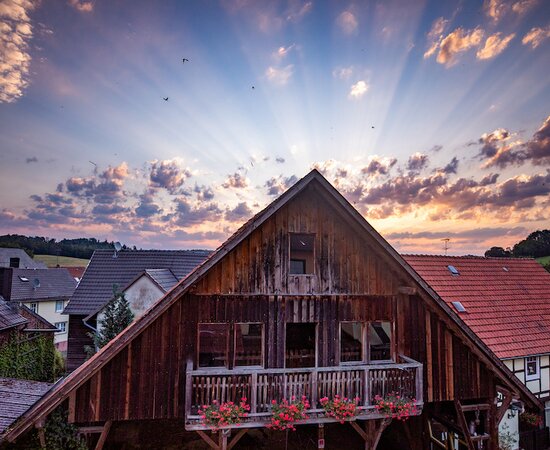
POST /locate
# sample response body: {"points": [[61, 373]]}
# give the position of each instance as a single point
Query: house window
{"points": [[213, 344], [379, 340], [34, 307], [61, 327], [532, 368], [58, 306], [14, 262], [301, 253], [351, 341], [248, 344], [301, 343]]}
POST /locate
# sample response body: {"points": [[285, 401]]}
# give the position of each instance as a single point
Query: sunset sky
{"points": [[432, 118]]}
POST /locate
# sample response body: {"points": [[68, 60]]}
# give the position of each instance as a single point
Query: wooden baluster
{"points": [[366, 387], [314, 392], [253, 393]]}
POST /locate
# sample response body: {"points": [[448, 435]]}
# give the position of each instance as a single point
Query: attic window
{"points": [[459, 307], [301, 253], [22, 278], [454, 271]]}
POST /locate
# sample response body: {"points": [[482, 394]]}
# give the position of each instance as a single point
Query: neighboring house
{"points": [[143, 291], [108, 269], [16, 397], [506, 302], [43, 291], [17, 318], [306, 299], [18, 258]]}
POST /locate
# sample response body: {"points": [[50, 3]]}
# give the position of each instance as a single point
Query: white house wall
{"points": [[46, 309]]}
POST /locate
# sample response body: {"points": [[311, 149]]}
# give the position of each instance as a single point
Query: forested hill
{"points": [[76, 248]]}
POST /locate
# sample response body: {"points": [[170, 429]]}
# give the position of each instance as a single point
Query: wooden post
{"points": [[103, 435], [321, 437], [41, 434], [224, 434]]}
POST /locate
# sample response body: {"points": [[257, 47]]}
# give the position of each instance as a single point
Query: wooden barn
{"points": [[306, 298]]}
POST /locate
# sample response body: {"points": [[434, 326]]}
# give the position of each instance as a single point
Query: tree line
{"points": [[37, 245], [536, 245]]}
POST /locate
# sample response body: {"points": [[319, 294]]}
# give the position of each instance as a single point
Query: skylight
{"points": [[506, 269], [459, 306], [454, 271], [22, 278]]}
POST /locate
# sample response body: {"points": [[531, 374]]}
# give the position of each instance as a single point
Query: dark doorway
{"points": [[301, 344]]}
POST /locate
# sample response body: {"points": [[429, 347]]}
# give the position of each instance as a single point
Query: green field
{"points": [[63, 261], [544, 260]]}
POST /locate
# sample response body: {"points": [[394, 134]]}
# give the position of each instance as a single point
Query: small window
{"points": [[213, 344], [59, 306], [351, 341], [14, 262], [34, 307], [379, 341], [532, 368], [301, 253], [454, 271], [22, 278], [248, 344], [459, 307], [61, 327]]}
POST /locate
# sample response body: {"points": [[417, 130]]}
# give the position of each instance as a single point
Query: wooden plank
{"points": [[463, 425], [429, 365], [103, 436]]}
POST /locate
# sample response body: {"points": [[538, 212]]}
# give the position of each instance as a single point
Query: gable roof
{"points": [[53, 284], [164, 278], [61, 391], [16, 397], [507, 300], [9, 317], [104, 271], [25, 261]]}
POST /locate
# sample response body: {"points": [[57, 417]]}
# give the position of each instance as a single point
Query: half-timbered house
{"points": [[305, 299]]}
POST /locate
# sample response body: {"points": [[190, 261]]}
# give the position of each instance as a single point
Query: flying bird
{"points": [[252, 87], [165, 99], [183, 60]]}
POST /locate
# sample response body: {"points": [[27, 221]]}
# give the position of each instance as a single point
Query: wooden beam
{"points": [[103, 435], [72, 407], [359, 430], [407, 290], [502, 409], [463, 425], [236, 438], [375, 438], [90, 429], [208, 439], [41, 434]]}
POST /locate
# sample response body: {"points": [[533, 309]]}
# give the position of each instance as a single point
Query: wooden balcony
{"points": [[261, 386]]}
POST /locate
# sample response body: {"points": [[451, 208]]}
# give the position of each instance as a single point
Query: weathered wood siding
{"points": [[78, 338], [354, 280]]}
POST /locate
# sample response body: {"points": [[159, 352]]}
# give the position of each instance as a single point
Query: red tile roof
{"points": [[507, 300]]}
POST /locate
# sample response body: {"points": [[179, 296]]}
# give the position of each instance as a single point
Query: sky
{"points": [[169, 124]]}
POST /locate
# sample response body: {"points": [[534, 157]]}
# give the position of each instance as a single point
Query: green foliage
{"points": [[498, 252], [59, 434], [536, 245], [28, 358], [117, 315], [506, 440], [76, 248]]}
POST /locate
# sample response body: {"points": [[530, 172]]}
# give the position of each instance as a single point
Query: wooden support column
{"points": [[103, 435], [373, 431], [321, 437], [39, 425], [463, 425], [493, 425], [223, 439]]}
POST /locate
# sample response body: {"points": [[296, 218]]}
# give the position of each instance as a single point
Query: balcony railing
{"points": [[261, 386]]}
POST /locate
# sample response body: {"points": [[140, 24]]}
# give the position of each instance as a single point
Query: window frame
{"points": [[536, 375], [364, 344], [227, 346], [316, 357], [62, 306], [33, 306], [262, 357], [381, 361], [306, 273], [59, 330]]}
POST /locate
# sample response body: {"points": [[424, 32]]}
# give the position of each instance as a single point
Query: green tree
{"points": [[537, 244], [498, 252], [117, 315]]}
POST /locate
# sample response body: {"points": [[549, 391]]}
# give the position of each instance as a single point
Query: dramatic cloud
{"points": [[380, 166], [187, 215], [277, 185], [15, 60], [536, 150], [82, 5], [417, 162], [496, 9], [435, 35], [347, 22], [168, 174], [147, 206], [240, 213], [358, 89], [494, 45], [343, 73], [536, 36], [458, 41], [279, 76], [236, 181]]}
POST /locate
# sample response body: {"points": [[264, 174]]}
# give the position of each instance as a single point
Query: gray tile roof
{"points": [[52, 284], [165, 278], [25, 261], [104, 271], [16, 397], [9, 317]]}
